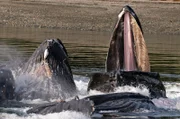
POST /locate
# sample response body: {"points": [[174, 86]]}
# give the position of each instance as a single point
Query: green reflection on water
{"points": [[87, 50], [165, 63]]}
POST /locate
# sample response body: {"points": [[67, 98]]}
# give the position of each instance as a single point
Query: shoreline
{"points": [[89, 15]]}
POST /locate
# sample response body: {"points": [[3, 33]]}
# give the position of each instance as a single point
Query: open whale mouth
{"points": [[127, 61], [49, 58], [127, 50], [55, 58], [50, 73]]}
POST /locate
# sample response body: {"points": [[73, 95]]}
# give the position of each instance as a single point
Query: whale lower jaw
{"points": [[127, 51]]}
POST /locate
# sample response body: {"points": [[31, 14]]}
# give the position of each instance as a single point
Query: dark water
{"points": [[87, 50]]}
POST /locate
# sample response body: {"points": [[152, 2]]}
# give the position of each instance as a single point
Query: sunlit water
{"points": [[87, 52]]}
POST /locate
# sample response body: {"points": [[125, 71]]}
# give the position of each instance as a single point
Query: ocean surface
{"points": [[87, 52]]}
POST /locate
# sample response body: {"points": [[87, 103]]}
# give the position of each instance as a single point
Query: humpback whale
{"points": [[127, 49], [49, 73], [127, 61], [125, 65], [118, 102], [7, 85]]}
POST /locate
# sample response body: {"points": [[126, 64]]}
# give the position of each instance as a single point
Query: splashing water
{"points": [[172, 102], [30, 87], [173, 94], [61, 115], [13, 58], [25, 81]]}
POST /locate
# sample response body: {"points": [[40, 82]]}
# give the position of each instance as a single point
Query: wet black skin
{"points": [[107, 82], [7, 85], [121, 102]]}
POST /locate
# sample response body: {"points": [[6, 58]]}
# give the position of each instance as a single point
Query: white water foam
{"points": [[173, 97], [172, 102], [139, 89], [61, 115], [27, 86], [172, 89]]}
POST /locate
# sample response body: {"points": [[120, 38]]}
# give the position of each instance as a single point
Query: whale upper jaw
{"points": [[127, 49], [48, 73], [49, 59], [55, 55]]}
